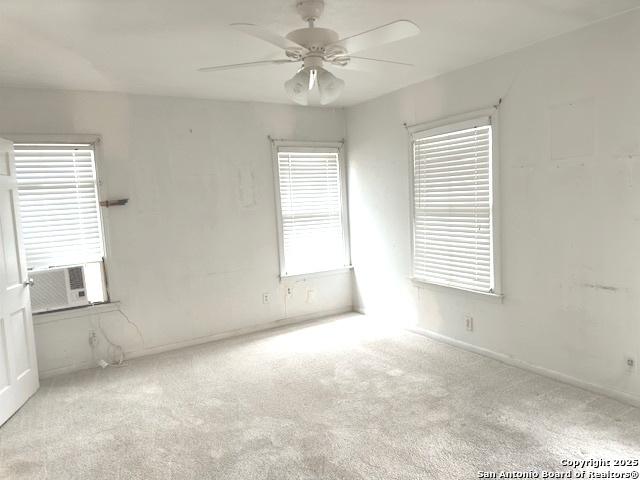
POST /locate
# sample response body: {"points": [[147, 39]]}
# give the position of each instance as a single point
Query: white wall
{"points": [[570, 168], [195, 248]]}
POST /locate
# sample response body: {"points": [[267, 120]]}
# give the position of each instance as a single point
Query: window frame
{"points": [[441, 126], [96, 141], [276, 145]]}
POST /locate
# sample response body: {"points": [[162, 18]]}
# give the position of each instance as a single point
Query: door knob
{"points": [[28, 283]]}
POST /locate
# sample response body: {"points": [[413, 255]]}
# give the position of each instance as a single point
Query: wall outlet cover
{"points": [[311, 296], [468, 322], [630, 361]]}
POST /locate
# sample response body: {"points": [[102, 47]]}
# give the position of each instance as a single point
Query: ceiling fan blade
{"points": [[266, 35], [245, 65], [371, 64], [391, 32]]}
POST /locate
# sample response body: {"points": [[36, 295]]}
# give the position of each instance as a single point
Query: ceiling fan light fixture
{"points": [[298, 87], [302, 83], [329, 85]]}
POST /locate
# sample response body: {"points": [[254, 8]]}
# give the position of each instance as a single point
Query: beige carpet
{"points": [[341, 399]]}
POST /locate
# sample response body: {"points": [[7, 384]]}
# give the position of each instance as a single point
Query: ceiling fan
{"points": [[313, 46]]}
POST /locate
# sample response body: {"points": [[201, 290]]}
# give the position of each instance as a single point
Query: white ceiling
{"points": [[155, 46]]}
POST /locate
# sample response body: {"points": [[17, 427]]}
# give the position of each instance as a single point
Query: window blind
{"points": [[452, 206], [311, 210], [59, 209]]}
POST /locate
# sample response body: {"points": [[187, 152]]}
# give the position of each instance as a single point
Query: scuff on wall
{"points": [[596, 286]]}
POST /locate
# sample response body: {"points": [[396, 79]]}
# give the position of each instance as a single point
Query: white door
{"points": [[18, 368]]}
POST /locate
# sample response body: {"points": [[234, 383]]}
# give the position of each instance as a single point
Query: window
{"points": [[453, 225], [312, 214], [59, 209]]}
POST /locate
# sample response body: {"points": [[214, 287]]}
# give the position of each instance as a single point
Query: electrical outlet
{"points": [[289, 291], [266, 298], [630, 361], [468, 322], [311, 296], [93, 339]]}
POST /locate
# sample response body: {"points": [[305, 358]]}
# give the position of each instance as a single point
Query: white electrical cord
{"points": [[116, 347], [114, 350], [132, 323]]}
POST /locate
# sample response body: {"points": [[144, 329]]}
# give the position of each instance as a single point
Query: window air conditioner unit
{"points": [[58, 288]]}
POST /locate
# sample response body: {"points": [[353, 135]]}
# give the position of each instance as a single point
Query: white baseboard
{"points": [[553, 374], [283, 322], [76, 367]]}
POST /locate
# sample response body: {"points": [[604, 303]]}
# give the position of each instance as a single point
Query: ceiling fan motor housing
{"points": [[313, 39]]}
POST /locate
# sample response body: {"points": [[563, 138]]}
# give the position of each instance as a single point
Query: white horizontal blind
{"points": [[452, 206], [59, 208], [311, 210]]}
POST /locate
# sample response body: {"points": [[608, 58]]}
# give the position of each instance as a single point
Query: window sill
{"points": [[424, 283], [304, 276], [57, 315]]}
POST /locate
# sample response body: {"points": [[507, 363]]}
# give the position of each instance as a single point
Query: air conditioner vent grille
{"points": [[76, 278], [48, 290]]}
